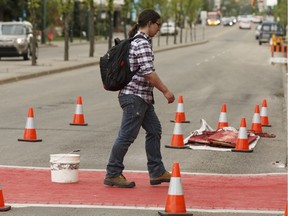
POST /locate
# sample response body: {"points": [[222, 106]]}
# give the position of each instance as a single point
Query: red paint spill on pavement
{"points": [[255, 192]]}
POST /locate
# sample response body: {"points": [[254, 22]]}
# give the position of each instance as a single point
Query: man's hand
{"points": [[169, 96]]}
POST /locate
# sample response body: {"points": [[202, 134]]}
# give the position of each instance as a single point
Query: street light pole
{"points": [[43, 36]]}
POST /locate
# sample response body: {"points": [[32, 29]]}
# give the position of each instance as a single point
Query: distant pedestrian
{"points": [[136, 100]]}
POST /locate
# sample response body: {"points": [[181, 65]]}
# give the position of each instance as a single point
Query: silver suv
{"points": [[267, 30], [16, 39]]}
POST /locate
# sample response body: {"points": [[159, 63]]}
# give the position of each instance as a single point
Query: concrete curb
{"points": [[73, 67]]}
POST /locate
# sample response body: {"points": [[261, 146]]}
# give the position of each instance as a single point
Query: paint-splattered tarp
{"points": [[224, 139]]}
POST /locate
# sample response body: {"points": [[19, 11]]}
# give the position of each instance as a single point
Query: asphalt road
{"points": [[232, 68]]}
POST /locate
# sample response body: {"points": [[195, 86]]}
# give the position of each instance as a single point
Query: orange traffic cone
{"points": [[180, 116], [256, 126], [177, 140], [3, 207], [223, 122], [242, 144], [264, 115], [79, 116], [286, 210], [175, 202], [30, 134]]}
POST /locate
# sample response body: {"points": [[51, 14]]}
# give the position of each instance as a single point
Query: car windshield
{"points": [[272, 27], [12, 30]]}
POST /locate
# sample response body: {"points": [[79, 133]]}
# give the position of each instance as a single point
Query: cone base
{"points": [[266, 125], [176, 147], [30, 140], [242, 150], [180, 122], [174, 214], [5, 208], [73, 124]]}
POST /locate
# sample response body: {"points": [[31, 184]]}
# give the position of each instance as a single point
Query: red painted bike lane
{"points": [[245, 192]]}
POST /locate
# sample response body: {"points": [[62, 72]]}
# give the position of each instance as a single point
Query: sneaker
{"points": [[119, 181], [163, 178]]}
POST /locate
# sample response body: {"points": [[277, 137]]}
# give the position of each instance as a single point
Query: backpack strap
{"points": [[117, 41], [139, 36]]}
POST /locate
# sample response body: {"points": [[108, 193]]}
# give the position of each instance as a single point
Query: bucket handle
{"points": [[77, 150]]}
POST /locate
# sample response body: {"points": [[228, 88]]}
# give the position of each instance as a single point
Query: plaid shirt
{"points": [[141, 58]]}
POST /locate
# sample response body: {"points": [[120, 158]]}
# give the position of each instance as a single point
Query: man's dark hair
{"points": [[146, 16]]}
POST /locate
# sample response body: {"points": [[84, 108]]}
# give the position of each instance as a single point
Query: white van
{"points": [[16, 39]]}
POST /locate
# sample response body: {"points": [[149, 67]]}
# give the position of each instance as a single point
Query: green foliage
{"points": [[7, 10], [110, 6], [34, 4], [281, 11], [57, 10], [66, 6]]}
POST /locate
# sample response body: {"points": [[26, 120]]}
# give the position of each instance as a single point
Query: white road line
{"points": [[141, 171], [143, 208]]}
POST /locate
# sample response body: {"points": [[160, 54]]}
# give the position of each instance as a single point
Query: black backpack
{"points": [[114, 65]]}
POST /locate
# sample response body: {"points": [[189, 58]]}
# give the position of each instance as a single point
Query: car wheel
{"points": [[260, 43]]}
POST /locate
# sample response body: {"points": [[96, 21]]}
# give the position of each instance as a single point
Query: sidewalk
{"points": [[15, 69], [258, 193]]}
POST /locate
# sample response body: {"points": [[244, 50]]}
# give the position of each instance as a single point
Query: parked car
{"points": [[16, 39], [168, 28], [257, 19], [227, 21], [245, 24], [267, 30], [257, 31], [234, 19]]}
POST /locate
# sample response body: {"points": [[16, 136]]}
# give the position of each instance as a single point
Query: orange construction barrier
{"points": [[242, 144], [256, 126], [177, 140], [286, 209], [223, 122], [279, 48], [3, 207], [30, 134], [180, 116], [264, 114], [175, 202], [79, 116]]}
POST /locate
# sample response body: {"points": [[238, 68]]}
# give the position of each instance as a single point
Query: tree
{"points": [[110, 10], [6, 10], [33, 5], [191, 10], [125, 12], [280, 11], [165, 11], [66, 9], [175, 12], [91, 37]]}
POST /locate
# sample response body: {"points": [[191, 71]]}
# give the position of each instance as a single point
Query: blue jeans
{"points": [[137, 113]]}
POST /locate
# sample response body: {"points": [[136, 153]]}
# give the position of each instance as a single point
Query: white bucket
{"points": [[64, 168]]}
